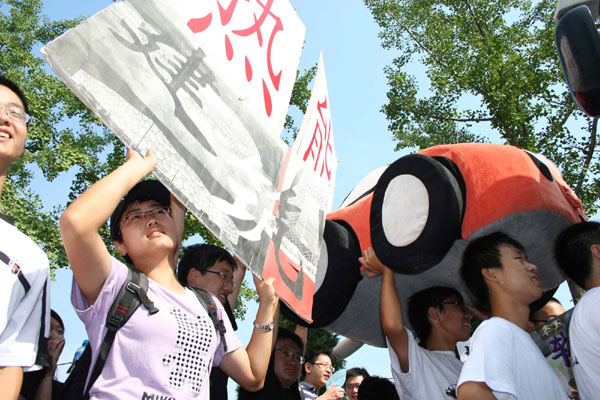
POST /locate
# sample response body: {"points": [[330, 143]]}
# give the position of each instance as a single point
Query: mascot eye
{"points": [[405, 210]]}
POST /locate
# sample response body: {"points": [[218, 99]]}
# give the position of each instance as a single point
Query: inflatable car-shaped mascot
{"points": [[419, 213]]}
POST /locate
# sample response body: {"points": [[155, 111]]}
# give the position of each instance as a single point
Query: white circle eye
{"points": [[405, 210]]}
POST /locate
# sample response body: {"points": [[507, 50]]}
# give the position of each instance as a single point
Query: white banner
{"points": [[314, 143], [206, 84]]}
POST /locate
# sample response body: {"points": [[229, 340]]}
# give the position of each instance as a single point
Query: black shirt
{"points": [[272, 389]]}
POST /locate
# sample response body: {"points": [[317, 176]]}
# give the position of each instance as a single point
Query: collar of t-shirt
{"points": [[308, 386]]}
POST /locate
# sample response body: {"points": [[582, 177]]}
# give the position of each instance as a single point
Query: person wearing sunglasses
{"points": [[428, 369], [24, 268]]}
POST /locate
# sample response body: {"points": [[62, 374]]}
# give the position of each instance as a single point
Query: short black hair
{"points": [[534, 311], [4, 81], [418, 308], [283, 333], [481, 253], [356, 371], [315, 352], [572, 250], [202, 257], [376, 388]]}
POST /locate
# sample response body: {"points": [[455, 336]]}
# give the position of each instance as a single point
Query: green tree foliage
{"points": [[51, 147], [494, 76]]}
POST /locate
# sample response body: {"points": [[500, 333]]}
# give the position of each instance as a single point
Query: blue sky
{"points": [[354, 62]]}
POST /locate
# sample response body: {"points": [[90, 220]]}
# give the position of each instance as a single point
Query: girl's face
{"points": [[147, 230], [56, 330]]}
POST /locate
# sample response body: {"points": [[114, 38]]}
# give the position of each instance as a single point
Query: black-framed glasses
{"points": [[16, 114], [461, 306], [290, 356], [138, 216], [227, 278], [325, 367]]}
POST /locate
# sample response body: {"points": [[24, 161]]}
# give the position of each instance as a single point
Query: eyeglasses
{"points": [[289, 356], [135, 217], [352, 387], [461, 306], [16, 114], [325, 366], [227, 278]]}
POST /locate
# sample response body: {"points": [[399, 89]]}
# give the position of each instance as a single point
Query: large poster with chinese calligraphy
{"points": [[553, 340], [314, 142], [206, 84]]}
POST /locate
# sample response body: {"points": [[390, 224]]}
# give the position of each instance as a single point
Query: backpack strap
{"points": [[130, 296], [207, 302]]}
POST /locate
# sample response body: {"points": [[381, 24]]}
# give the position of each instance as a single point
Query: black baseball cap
{"points": [[143, 191]]}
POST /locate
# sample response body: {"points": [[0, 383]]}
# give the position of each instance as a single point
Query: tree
{"points": [[65, 137], [494, 75]]}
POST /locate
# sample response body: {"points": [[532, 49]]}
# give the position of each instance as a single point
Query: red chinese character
{"points": [[198, 25], [321, 140]]}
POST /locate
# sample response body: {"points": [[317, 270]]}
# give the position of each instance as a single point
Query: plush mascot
{"points": [[419, 213]]}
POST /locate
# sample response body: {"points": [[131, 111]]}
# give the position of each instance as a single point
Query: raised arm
{"points": [[390, 306], [248, 367], [238, 277], [178, 214], [79, 224]]}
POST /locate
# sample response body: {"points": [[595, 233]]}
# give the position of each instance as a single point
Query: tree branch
{"points": [[556, 127], [472, 12], [421, 45], [487, 119]]}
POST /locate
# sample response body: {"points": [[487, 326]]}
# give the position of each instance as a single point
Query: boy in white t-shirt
{"points": [[428, 369], [504, 362], [577, 251], [24, 301]]}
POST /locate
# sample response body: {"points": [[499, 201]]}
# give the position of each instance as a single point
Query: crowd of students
{"points": [[176, 347]]}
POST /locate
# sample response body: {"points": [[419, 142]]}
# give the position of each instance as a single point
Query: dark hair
{"points": [[483, 252], [315, 352], [284, 333], [54, 314], [202, 257], [419, 305], [4, 81], [572, 250], [356, 371], [534, 311], [377, 388]]}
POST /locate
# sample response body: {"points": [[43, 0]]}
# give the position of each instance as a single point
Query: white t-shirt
{"points": [[431, 374], [24, 298], [162, 356], [584, 334], [506, 358]]}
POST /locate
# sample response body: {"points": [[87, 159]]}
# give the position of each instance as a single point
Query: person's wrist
{"points": [[266, 327]]}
